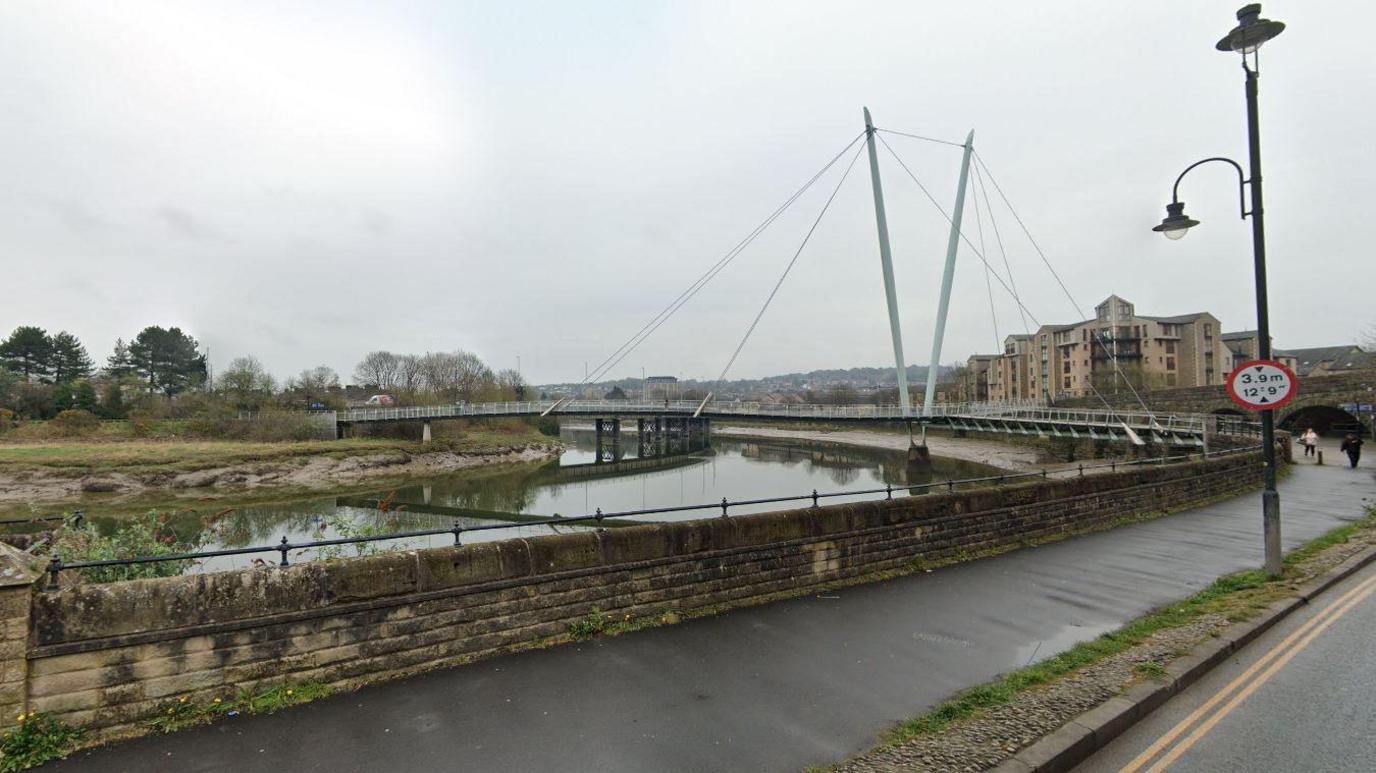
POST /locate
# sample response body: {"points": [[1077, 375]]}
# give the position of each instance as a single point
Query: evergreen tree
{"points": [[112, 401], [167, 359], [119, 365], [70, 362], [28, 351], [64, 397], [84, 396]]}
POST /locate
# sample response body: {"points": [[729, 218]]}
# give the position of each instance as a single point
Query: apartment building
{"points": [[1245, 345], [1077, 359]]}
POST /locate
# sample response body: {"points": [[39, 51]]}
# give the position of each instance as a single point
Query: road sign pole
{"points": [[1263, 386]]}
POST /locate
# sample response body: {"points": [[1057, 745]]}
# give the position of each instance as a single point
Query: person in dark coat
{"points": [[1352, 446]]}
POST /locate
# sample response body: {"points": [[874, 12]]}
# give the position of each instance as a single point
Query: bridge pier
{"points": [[425, 435], [607, 433]]}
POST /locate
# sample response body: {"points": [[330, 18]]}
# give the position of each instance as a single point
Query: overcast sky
{"points": [[306, 182]]}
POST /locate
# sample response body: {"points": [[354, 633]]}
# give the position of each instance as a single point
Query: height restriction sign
{"points": [[1262, 385]]}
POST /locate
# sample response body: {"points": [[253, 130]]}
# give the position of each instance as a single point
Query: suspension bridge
{"points": [[1139, 426]]}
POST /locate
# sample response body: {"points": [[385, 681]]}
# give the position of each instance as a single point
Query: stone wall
{"points": [[108, 656]]}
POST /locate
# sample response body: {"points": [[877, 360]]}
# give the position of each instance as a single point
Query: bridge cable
{"points": [[999, 237], [654, 324], [1095, 334], [988, 285], [978, 253], [789, 267], [920, 137], [659, 319], [1016, 299]]}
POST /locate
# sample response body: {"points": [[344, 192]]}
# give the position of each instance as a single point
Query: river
{"points": [[735, 468]]}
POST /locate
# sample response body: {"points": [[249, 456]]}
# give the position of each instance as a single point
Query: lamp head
{"points": [[1251, 31], [1176, 223]]}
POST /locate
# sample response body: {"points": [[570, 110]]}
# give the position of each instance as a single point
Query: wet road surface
{"points": [[778, 687], [1298, 698]]}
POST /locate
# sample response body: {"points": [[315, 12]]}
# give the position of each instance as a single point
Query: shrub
{"points": [[75, 422], [6, 420], [143, 536], [141, 423]]}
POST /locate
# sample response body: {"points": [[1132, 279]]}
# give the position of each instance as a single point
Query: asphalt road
{"points": [[776, 688], [1314, 712]]}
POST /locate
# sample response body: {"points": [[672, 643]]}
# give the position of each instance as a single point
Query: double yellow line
{"points": [[1169, 747]]}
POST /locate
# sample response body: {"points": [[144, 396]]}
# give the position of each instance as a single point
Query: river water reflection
{"points": [[734, 468]]}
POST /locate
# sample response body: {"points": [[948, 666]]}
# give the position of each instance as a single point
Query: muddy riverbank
{"points": [[299, 473]]}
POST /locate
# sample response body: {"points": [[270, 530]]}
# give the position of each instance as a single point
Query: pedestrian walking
{"points": [[1309, 439], [1352, 446]]}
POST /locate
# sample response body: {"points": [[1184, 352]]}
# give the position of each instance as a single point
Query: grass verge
{"points": [[184, 713]]}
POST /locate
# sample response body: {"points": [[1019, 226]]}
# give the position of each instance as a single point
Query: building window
{"points": [[1065, 366], [1065, 382], [1170, 363], [1170, 347]]}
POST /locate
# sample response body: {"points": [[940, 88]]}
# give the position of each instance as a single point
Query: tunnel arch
{"points": [[1328, 420]]}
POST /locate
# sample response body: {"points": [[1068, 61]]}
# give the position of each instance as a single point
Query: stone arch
{"points": [[1325, 419]]}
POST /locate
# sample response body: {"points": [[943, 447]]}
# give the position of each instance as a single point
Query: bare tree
{"points": [[409, 377], [512, 385], [456, 375], [315, 386], [246, 383], [378, 369]]}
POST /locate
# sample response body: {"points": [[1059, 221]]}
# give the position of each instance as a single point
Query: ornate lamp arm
{"points": [[1241, 183]]}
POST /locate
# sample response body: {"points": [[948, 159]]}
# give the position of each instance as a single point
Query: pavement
{"points": [[1298, 698], [772, 688]]}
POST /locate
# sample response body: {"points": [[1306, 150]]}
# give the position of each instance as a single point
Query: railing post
{"points": [[814, 497], [283, 547], [888, 491], [458, 530], [1082, 469], [599, 518], [950, 485], [723, 507], [54, 568]]}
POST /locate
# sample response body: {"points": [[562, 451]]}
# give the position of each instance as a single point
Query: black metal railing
{"points": [[598, 518]]}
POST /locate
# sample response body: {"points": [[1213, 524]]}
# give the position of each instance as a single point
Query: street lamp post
{"points": [[1246, 38]]}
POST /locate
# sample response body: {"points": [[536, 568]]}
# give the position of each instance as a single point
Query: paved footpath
{"points": [[772, 688], [1299, 698]]}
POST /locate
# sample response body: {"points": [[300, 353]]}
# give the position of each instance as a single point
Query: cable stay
{"points": [[920, 137], [998, 237], [988, 284], [793, 261], [648, 329], [1008, 287], [978, 253], [1095, 334]]}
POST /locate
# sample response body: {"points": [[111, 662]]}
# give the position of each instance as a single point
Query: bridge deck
{"points": [[1012, 418]]}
